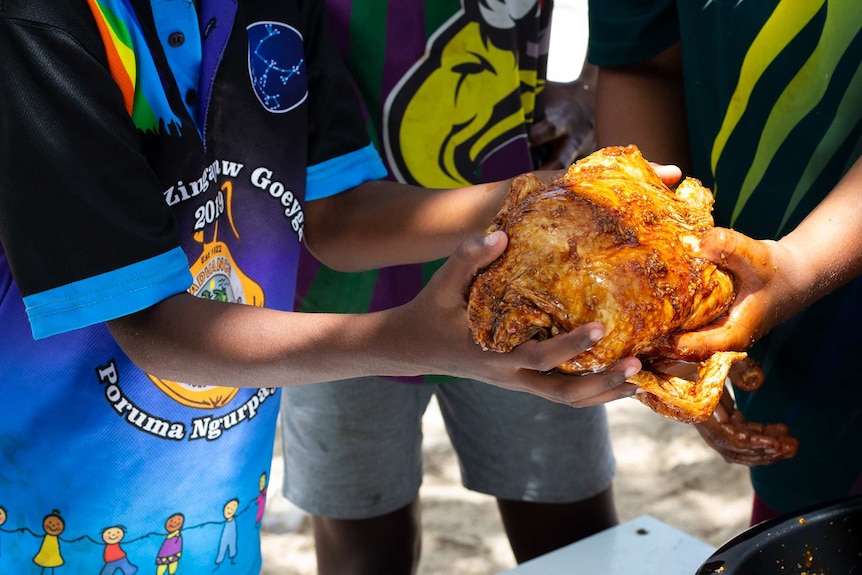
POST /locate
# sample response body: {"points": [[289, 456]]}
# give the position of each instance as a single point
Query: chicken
{"points": [[609, 242]]}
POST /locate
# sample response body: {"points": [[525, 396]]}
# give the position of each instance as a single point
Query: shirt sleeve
{"points": [[339, 174], [83, 223], [629, 31], [340, 152]]}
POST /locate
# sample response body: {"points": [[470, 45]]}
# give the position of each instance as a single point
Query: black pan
{"points": [[822, 540]]}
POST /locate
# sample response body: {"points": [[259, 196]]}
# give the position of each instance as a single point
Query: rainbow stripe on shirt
{"points": [[132, 67]]}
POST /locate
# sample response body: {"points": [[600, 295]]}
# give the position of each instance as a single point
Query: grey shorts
{"points": [[353, 448]]}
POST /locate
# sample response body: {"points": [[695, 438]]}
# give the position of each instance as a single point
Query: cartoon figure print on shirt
{"points": [[142, 445], [49, 555], [227, 540], [114, 555], [458, 79]]}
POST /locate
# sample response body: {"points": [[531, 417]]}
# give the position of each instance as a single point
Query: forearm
{"points": [[383, 223], [247, 346], [644, 104], [825, 250], [775, 280]]}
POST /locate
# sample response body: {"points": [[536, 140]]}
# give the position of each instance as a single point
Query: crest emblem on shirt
{"points": [[216, 276], [276, 66], [480, 91]]}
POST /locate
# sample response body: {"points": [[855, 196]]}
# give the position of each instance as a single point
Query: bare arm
{"points": [[644, 104], [827, 245], [382, 223], [256, 347], [368, 226], [777, 279]]}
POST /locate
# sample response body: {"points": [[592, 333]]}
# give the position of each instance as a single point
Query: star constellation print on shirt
{"points": [[276, 65]]}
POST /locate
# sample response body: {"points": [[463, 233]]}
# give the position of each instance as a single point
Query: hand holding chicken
{"points": [[610, 242], [727, 431]]}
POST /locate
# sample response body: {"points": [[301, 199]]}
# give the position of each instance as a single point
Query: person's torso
{"points": [[774, 106], [106, 444]]}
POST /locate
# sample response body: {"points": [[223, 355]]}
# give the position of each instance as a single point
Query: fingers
{"points": [[722, 411], [547, 354], [725, 247], [749, 262], [469, 258], [753, 459], [544, 132], [534, 363], [722, 334], [479, 252], [789, 447], [748, 443], [746, 374], [580, 390], [530, 366], [776, 430], [669, 174], [742, 255]]}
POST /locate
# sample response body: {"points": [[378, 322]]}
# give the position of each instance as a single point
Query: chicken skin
{"points": [[609, 242]]}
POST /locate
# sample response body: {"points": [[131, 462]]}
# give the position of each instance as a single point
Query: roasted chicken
{"points": [[609, 242]]}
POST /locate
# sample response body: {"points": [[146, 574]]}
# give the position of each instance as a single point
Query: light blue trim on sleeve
{"points": [[109, 295], [344, 172]]}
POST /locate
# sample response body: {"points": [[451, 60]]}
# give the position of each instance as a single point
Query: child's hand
{"points": [[763, 280], [566, 132], [745, 442], [441, 341]]}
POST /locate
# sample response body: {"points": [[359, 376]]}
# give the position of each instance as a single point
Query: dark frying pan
{"points": [[821, 540]]}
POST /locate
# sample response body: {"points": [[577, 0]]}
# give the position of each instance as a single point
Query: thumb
{"points": [[475, 254], [543, 132], [668, 173], [719, 245], [470, 257], [734, 251]]}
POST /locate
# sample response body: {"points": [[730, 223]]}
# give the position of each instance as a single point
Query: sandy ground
{"points": [[664, 469]]}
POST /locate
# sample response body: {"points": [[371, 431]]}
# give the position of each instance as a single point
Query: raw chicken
{"points": [[609, 242]]}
